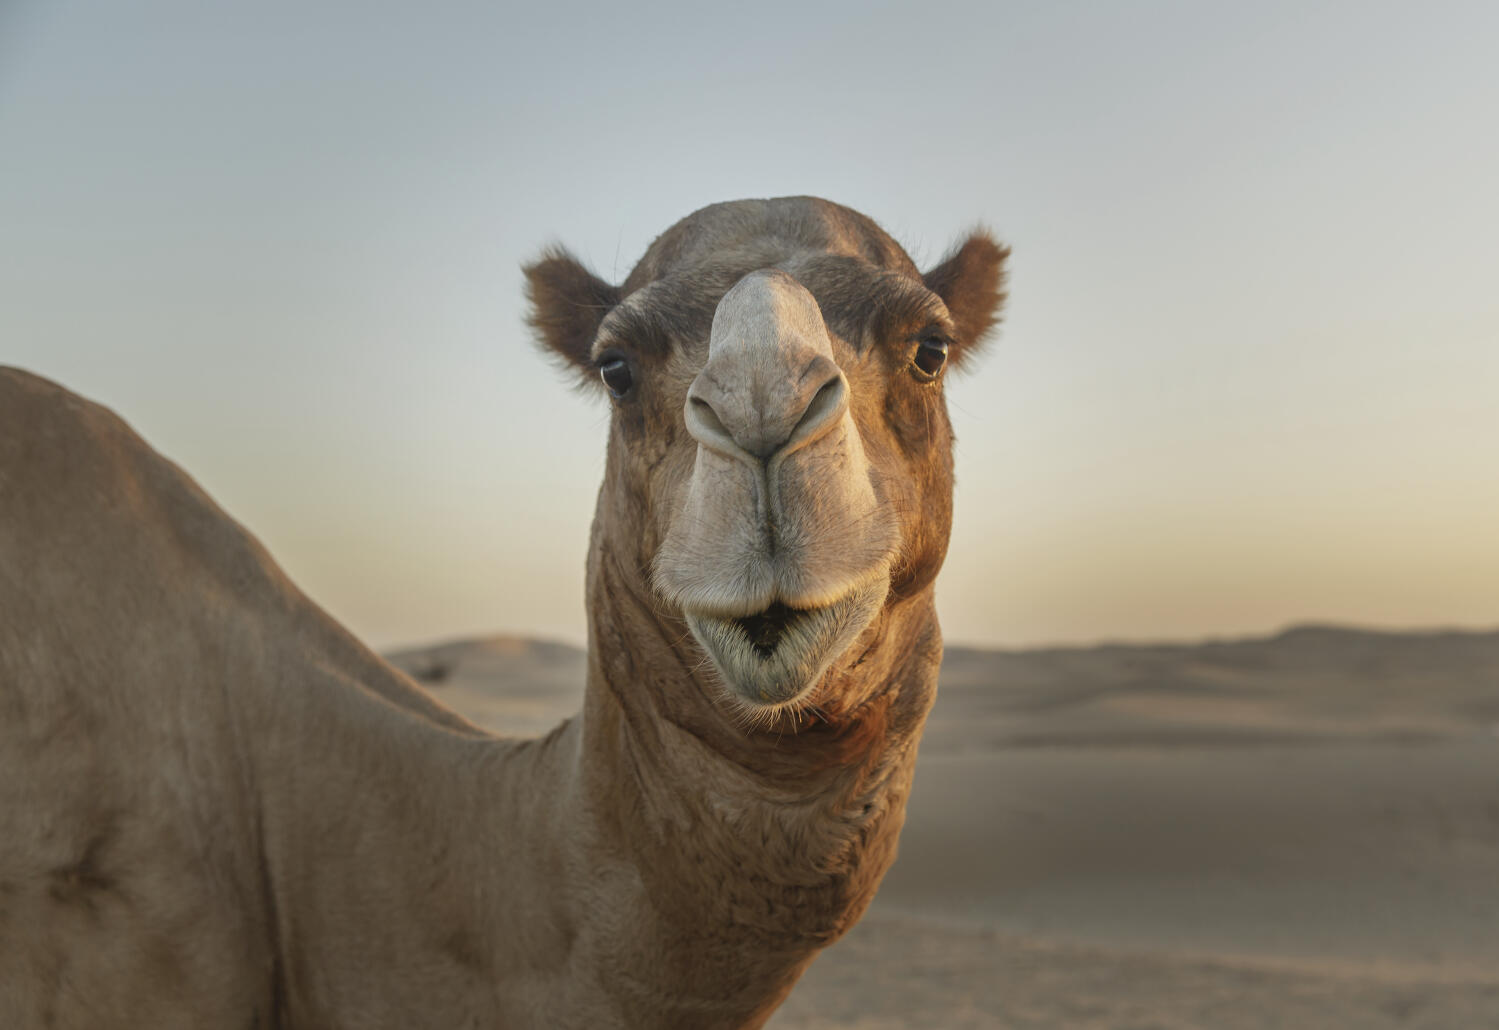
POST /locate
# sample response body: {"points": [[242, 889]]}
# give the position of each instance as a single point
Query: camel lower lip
{"points": [[775, 656]]}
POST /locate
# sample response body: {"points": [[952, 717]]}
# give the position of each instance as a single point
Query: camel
{"points": [[218, 809]]}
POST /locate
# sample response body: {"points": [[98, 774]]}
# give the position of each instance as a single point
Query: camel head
{"points": [[779, 474]]}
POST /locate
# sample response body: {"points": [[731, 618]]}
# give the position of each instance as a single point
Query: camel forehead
{"points": [[761, 233], [764, 306]]}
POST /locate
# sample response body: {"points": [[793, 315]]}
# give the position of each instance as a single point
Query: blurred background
{"points": [[1249, 378]]}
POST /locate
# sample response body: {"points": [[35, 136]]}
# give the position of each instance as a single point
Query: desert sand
{"points": [[1295, 831]]}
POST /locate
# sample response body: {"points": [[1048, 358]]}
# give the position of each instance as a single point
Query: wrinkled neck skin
{"points": [[749, 849], [654, 863]]}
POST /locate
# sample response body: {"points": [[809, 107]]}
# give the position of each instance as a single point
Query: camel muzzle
{"points": [[776, 657]]}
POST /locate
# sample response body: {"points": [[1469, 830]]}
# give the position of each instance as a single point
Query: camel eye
{"points": [[931, 355], [615, 372]]}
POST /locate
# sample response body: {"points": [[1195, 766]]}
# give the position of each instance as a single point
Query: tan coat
{"points": [[218, 809]]}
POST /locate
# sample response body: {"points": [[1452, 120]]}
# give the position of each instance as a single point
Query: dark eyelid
{"points": [[934, 331]]}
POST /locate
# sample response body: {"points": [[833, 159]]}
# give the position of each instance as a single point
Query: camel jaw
{"points": [[774, 657]]}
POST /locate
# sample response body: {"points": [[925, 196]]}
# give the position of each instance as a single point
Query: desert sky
{"points": [[1250, 373]]}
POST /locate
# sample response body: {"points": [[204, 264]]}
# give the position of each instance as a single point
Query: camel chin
{"points": [[775, 658]]}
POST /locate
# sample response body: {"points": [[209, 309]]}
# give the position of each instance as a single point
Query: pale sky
{"points": [[1250, 374]]}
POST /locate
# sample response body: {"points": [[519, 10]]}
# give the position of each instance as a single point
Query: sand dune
{"points": [[510, 685], [1295, 831]]}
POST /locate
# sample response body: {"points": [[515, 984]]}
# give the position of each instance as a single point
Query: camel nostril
{"points": [[751, 435], [704, 424], [708, 416], [826, 406]]}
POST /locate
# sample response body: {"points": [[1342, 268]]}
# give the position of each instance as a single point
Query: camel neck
{"points": [[749, 850]]}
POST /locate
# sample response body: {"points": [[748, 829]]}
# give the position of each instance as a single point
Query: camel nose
{"points": [[770, 414], [770, 385]]}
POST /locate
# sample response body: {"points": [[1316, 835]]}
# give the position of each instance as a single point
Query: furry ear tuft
{"points": [[971, 282], [567, 304]]}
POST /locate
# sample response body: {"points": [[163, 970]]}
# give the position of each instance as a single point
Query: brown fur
{"points": [[218, 809], [971, 282]]}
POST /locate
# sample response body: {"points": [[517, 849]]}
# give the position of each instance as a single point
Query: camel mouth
{"points": [[765, 629], [775, 657]]}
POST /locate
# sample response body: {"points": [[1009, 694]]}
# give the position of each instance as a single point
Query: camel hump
{"points": [[58, 448], [117, 569], [104, 543], [78, 485], [64, 466], [33, 409]]}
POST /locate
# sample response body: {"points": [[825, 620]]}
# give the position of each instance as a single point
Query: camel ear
{"points": [[567, 304], [971, 282]]}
